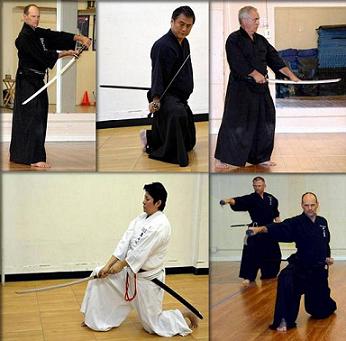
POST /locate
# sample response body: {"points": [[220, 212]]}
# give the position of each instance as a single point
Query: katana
{"points": [[145, 88], [175, 76], [170, 83], [67, 66], [311, 82], [87, 279], [58, 286]]}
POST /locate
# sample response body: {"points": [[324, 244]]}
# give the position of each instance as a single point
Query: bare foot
{"points": [[192, 318], [41, 164], [246, 283], [282, 327], [222, 165], [267, 164], [143, 137]]}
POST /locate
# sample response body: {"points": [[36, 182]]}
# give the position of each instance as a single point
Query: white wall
{"points": [[224, 18], [72, 222], [126, 33], [226, 243]]}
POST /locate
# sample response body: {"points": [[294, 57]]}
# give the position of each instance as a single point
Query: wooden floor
{"points": [[298, 153], [119, 150], [62, 156], [54, 315], [238, 314]]}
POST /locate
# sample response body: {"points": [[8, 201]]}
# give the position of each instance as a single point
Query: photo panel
{"points": [[71, 224], [145, 53], [245, 268], [48, 100]]}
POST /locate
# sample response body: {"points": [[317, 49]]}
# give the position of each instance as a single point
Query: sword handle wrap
{"points": [[249, 233]]}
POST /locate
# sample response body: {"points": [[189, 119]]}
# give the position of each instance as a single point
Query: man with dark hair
{"points": [[307, 271], [260, 252], [125, 281], [248, 124], [37, 51], [185, 10], [173, 132]]}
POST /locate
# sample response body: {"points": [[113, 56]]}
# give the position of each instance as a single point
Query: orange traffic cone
{"points": [[85, 100]]}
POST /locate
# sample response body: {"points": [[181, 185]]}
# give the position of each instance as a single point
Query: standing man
{"points": [[307, 271], [36, 52], [260, 252], [173, 132], [125, 281], [248, 123]]}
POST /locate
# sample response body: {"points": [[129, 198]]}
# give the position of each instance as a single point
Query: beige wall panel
{"points": [[295, 27]]}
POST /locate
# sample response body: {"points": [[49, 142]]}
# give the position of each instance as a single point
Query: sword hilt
{"points": [[252, 224], [249, 233], [81, 49]]}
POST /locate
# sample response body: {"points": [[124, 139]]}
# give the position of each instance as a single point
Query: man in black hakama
{"points": [[173, 131], [261, 252], [36, 52], [248, 124], [307, 271]]}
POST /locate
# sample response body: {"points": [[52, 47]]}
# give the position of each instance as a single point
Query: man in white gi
{"points": [[125, 280]]}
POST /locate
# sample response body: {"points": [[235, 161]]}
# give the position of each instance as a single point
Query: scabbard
{"points": [[178, 297], [124, 87]]}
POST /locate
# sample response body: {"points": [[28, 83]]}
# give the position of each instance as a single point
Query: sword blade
{"points": [[50, 82], [175, 76], [58, 286], [67, 66], [178, 297], [321, 81]]}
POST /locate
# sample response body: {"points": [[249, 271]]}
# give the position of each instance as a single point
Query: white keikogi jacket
{"points": [[145, 243]]}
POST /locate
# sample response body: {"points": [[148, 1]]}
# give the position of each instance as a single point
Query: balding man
{"points": [[37, 51], [248, 124], [307, 271]]}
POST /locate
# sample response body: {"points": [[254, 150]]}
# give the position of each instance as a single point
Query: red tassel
{"points": [[127, 297]]}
